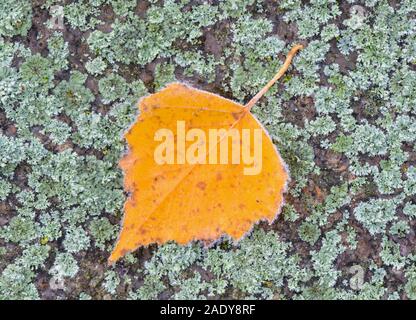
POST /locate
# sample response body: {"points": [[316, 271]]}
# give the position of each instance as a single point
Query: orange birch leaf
{"points": [[205, 183]]}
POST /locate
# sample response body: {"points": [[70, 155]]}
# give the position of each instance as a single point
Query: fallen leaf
{"points": [[185, 201]]}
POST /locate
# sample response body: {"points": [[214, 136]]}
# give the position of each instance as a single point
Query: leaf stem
{"points": [[278, 75]]}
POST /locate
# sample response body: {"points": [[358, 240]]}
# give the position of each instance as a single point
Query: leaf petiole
{"points": [[278, 75]]}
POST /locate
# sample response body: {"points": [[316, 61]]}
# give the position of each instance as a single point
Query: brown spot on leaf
{"points": [[201, 185]]}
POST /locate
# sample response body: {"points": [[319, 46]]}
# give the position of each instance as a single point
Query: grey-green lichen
{"points": [[15, 18], [342, 118]]}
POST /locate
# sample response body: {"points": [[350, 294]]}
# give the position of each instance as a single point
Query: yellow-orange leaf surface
{"points": [[185, 202]]}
